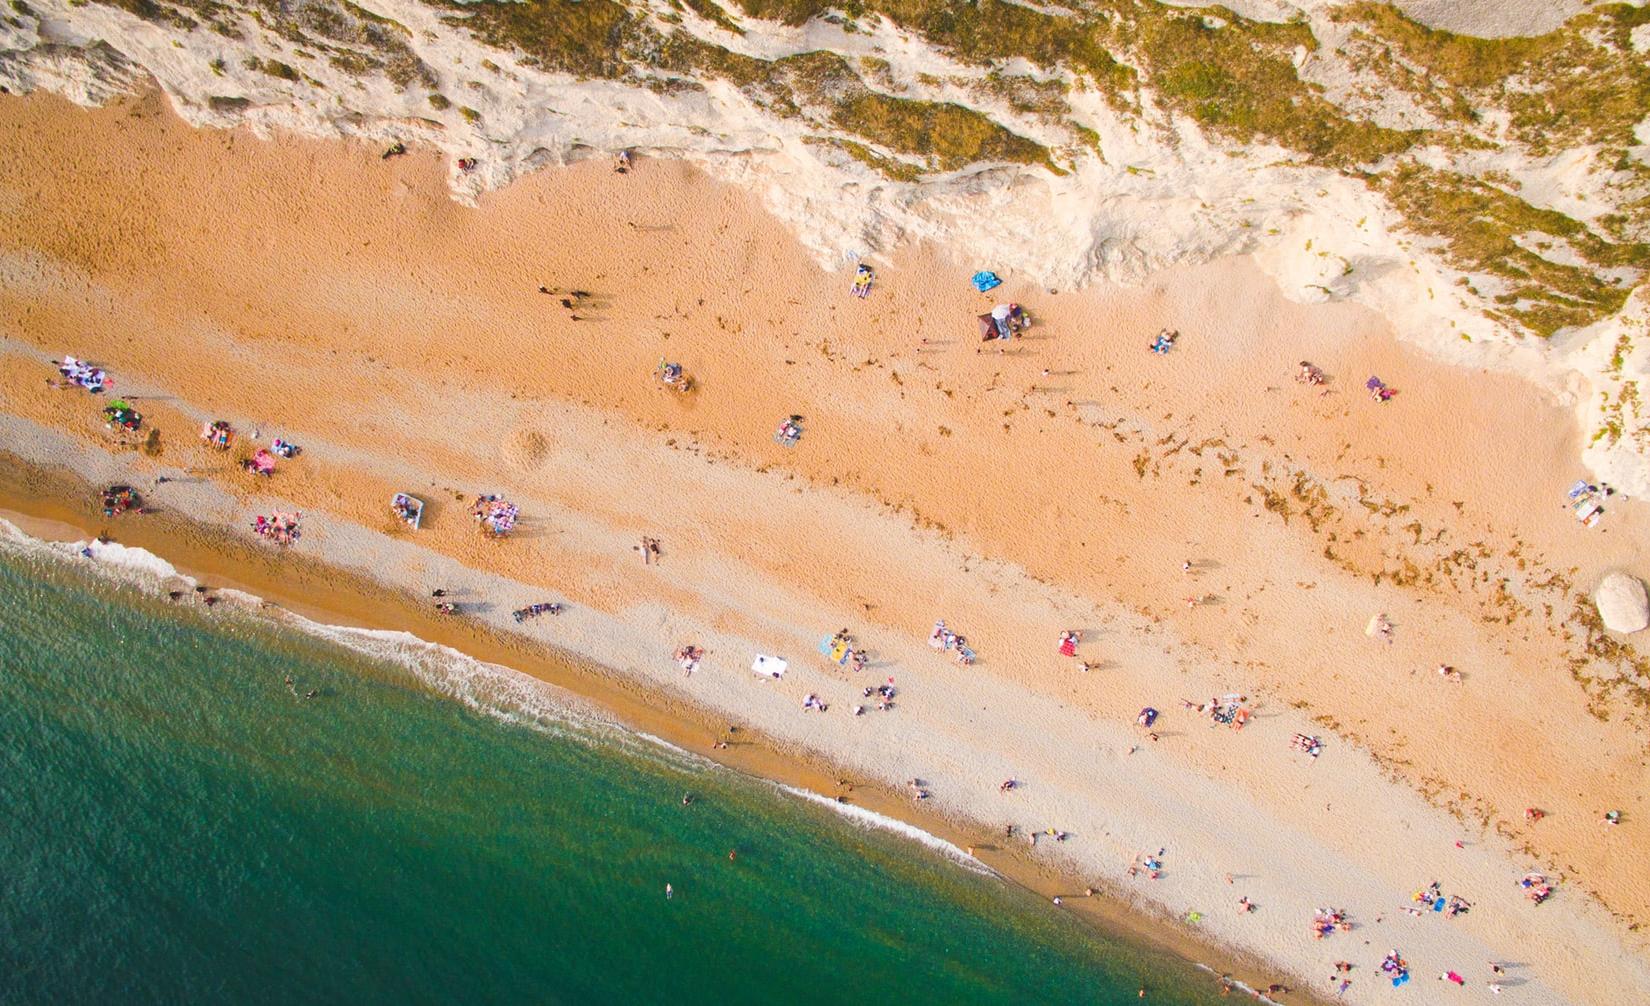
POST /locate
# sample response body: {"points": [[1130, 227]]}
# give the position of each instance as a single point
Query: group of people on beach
{"points": [[1003, 322], [119, 416], [841, 649], [1536, 887], [496, 515], [280, 528], [218, 434], [943, 639], [884, 693], [121, 499], [535, 610]]}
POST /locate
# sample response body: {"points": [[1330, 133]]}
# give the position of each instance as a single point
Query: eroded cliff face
{"points": [[1491, 196]]}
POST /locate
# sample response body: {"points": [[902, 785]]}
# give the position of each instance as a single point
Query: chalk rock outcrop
{"points": [[1622, 603]]}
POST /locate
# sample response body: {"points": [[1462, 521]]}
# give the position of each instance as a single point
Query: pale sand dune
{"points": [[1493, 18], [311, 289], [1481, 18]]}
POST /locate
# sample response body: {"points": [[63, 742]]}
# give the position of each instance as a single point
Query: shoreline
{"points": [[404, 345], [332, 596]]}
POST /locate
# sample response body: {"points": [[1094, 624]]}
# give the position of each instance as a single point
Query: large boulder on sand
{"points": [[1622, 603]]}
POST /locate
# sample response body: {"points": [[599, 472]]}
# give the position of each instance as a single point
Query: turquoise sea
{"points": [[176, 826]]}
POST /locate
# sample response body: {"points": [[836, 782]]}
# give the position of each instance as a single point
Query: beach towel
{"points": [[768, 667], [862, 281], [84, 374], [984, 281]]}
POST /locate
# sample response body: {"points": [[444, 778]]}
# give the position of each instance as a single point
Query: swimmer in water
{"points": [[670, 892], [687, 799]]}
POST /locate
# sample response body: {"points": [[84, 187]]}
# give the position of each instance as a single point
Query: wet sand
{"points": [[311, 290]]}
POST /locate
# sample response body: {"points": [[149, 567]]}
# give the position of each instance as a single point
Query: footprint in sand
{"points": [[525, 450]]}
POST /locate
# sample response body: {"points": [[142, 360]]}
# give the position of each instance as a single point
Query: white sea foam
{"points": [[882, 822], [137, 566], [492, 689], [137, 563], [1237, 984]]}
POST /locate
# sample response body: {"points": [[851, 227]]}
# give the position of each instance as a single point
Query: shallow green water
{"points": [[175, 826]]}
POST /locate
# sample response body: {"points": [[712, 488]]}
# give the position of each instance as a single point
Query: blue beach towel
{"points": [[984, 281]]}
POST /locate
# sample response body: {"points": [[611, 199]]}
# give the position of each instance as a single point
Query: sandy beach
{"points": [[310, 290]]}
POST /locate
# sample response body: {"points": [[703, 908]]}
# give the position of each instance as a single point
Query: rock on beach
{"points": [[1622, 603]]}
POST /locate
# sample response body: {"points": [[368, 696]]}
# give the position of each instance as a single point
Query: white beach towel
{"points": [[768, 667]]}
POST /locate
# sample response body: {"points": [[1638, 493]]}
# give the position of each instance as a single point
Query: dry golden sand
{"points": [[402, 337]]}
